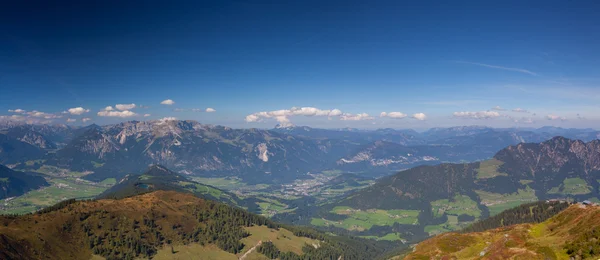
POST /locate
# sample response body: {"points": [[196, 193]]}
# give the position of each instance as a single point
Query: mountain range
{"points": [[434, 197], [257, 156]]}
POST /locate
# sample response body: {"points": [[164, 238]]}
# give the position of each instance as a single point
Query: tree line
{"points": [[535, 212]]}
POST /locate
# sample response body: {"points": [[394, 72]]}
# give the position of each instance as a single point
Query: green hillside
{"points": [[571, 234], [165, 225]]}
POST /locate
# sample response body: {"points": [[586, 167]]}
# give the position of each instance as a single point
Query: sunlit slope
{"points": [[572, 233]]}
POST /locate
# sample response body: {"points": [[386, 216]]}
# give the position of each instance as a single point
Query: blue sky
{"points": [[466, 63]]}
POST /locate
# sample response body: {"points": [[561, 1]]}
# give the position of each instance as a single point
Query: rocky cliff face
{"points": [[28, 134], [556, 155], [193, 148]]}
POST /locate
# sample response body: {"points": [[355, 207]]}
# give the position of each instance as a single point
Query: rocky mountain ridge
{"points": [[257, 155]]}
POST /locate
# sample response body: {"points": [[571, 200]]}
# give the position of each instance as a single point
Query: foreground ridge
{"points": [[570, 234]]}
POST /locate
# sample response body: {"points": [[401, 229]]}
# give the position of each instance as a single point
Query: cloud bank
{"points": [[477, 115], [282, 116]]}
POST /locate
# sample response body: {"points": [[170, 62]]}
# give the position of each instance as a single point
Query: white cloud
{"points": [[419, 116], [167, 102], [500, 67], [125, 113], [147, 115], [520, 110], [395, 115], [335, 112], [477, 115], [85, 119], [355, 117], [71, 120], [44, 115], [498, 108], [252, 118], [282, 115], [168, 119], [78, 110], [108, 108], [18, 111], [210, 110], [555, 117], [123, 107]]}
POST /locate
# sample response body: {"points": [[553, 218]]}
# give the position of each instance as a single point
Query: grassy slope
{"points": [[524, 241], [58, 235]]}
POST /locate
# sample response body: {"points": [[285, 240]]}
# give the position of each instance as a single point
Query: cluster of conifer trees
{"points": [[535, 212], [586, 246]]}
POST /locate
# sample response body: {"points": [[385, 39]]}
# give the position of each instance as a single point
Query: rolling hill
{"points": [[158, 177], [429, 200], [164, 225], [571, 234]]}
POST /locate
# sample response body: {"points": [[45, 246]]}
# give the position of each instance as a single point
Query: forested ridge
{"points": [[535, 212], [141, 225]]}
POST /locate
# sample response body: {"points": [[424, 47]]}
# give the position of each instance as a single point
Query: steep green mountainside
{"points": [[164, 225], [571, 234], [526, 213], [429, 200], [15, 183]]}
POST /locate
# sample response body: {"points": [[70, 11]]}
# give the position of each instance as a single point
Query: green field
{"points": [[32, 162], [451, 224], [572, 186], [202, 189], [282, 238], [489, 169], [60, 189], [97, 164], [229, 183], [59, 172], [525, 182], [365, 219], [460, 204], [328, 193], [270, 207], [192, 251], [497, 202], [387, 237], [109, 182]]}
